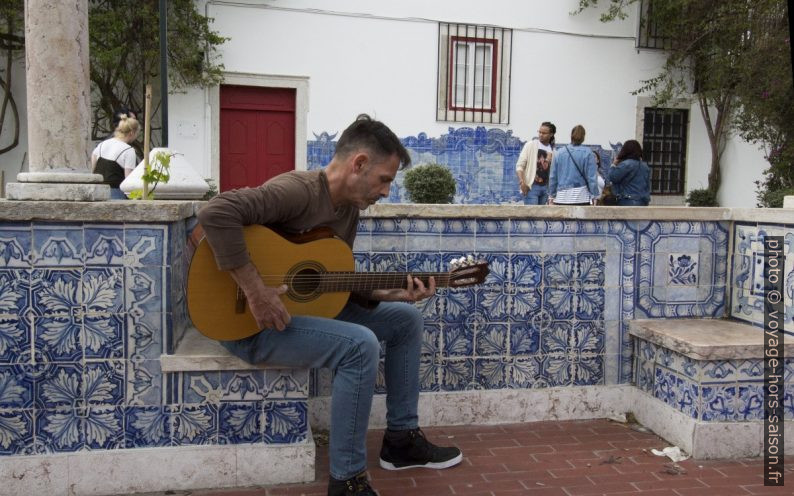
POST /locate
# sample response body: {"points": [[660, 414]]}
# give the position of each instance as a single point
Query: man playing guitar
{"points": [[367, 158]]}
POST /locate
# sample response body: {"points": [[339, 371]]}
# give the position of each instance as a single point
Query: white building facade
{"points": [[530, 60]]}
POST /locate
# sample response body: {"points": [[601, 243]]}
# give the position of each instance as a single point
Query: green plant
{"points": [[124, 38], [773, 198], [733, 56], [430, 183], [154, 173], [702, 198], [213, 191]]}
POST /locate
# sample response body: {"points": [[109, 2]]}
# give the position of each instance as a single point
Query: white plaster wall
{"points": [[380, 57], [743, 163]]}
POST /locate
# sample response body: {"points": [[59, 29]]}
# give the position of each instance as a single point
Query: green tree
{"points": [[716, 53], [12, 42], [125, 54], [766, 91]]}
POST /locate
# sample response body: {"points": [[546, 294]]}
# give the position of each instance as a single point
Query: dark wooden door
{"points": [[257, 132]]}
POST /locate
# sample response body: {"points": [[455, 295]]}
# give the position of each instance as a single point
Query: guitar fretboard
{"points": [[364, 281]]}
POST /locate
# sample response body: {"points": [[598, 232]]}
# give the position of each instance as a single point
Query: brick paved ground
{"points": [[574, 458]]}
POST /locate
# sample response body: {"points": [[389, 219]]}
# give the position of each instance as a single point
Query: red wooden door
{"points": [[257, 134]]}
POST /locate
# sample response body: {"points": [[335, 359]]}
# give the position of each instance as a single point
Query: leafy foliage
{"points": [[156, 172], [430, 183], [773, 198], [702, 198], [733, 55], [125, 54], [213, 191]]}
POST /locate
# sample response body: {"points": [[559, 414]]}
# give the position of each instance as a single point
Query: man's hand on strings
{"points": [[264, 302]]}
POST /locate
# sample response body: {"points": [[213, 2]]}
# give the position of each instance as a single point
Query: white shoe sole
{"points": [[449, 463]]}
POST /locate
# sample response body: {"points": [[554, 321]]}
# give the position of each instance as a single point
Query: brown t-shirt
{"points": [[293, 202]]}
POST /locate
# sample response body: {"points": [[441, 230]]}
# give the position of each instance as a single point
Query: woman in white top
{"points": [[114, 158], [532, 169]]}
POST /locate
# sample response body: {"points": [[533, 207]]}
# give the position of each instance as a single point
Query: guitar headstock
{"points": [[465, 271]]}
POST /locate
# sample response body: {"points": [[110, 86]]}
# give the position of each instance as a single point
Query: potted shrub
{"points": [[430, 183], [702, 198]]}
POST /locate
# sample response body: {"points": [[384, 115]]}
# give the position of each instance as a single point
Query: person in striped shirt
{"points": [[573, 179]]}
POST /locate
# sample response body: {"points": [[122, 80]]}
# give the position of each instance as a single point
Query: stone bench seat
{"points": [[196, 352], [706, 339], [701, 384]]}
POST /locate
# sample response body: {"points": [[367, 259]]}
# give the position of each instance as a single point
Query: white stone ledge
{"points": [[117, 211], [196, 352], [555, 212], [498, 406], [170, 210], [706, 339], [127, 471], [703, 440]]}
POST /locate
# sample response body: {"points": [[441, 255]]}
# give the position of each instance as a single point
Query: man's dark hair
{"points": [[552, 128], [630, 149], [375, 136]]}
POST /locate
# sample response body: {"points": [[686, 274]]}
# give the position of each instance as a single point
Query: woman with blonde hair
{"points": [[115, 158]]}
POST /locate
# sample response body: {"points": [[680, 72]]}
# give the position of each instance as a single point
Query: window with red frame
{"points": [[472, 79], [473, 73]]}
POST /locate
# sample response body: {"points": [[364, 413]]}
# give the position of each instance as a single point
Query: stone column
{"points": [[58, 105]]}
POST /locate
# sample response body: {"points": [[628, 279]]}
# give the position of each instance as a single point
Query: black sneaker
{"points": [[409, 449], [358, 485]]}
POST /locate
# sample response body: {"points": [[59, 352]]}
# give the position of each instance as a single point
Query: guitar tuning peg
{"points": [[470, 260]]}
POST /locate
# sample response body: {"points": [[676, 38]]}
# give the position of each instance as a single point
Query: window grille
{"points": [[473, 73], [664, 148], [648, 36]]}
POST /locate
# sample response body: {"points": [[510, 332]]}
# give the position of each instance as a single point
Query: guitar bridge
{"points": [[239, 304]]}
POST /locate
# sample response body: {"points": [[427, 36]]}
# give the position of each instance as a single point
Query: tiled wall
{"points": [[86, 310], [482, 161], [718, 391], [747, 281], [554, 309]]}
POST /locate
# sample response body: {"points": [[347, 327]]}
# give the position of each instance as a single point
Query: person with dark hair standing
{"points": [[366, 160], [532, 167], [573, 179], [631, 176]]}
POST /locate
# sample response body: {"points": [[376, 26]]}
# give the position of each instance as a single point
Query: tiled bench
{"points": [[702, 380], [280, 447]]}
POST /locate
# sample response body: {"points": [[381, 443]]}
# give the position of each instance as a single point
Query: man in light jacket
{"points": [[533, 180]]}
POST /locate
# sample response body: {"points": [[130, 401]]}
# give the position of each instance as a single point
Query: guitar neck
{"points": [[368, 281]]}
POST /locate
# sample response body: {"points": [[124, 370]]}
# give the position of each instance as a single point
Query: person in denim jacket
{"points": [[573, 179], [631, 176]]}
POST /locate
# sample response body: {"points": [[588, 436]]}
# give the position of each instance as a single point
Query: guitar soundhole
{"points": [[304, 281]]}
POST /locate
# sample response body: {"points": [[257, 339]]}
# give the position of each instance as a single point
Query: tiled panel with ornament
{"points": [[707, 390], [682, 269], [86, 311], [481, 160], [747, 284], [549, 313]]}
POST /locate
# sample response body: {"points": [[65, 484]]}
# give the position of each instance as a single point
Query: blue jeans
{"points": [[537, 195], [349, 345], [117, 194], [626, 202]]}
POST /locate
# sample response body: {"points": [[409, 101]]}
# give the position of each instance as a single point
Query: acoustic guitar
{"points": [[317, 269]]}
